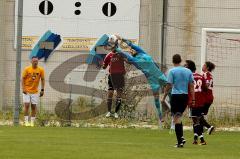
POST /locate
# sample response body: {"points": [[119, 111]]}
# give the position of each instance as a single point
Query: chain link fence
{"points": [[76, 91]]}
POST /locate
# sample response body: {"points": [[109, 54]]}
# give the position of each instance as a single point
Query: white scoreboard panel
{"points": [[79, 22]]}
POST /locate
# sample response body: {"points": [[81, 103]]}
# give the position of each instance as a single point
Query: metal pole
{"points": [[163, 33], [69, 103], [203, 47], [18, 62]]}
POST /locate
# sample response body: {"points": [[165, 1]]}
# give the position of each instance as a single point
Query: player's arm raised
{"points": [[130, 44]]}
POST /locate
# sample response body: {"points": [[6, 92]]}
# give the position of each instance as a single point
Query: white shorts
{"points": [[30, 98]]}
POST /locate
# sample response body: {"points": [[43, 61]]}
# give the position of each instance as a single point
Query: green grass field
{"points": [[91, 143]]}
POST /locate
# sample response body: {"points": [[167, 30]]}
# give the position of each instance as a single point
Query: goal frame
{"points": [[204, 40]]}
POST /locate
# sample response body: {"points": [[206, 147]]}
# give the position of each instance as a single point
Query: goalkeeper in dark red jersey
{"points": [[195, 110]]}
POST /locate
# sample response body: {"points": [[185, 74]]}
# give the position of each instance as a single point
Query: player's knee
{"points": [[177, 118], [26, 105], [33, 106]]}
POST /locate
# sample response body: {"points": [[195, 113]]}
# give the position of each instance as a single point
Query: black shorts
{"points": [[116, 81], [178, 103], [195, 112], [205, 108]]}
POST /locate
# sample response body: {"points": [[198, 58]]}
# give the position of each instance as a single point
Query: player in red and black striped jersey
{"points": [[207, 68], [195, 107]]}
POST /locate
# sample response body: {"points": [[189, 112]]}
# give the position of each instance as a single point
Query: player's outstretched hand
{"points": [[118, 37]]}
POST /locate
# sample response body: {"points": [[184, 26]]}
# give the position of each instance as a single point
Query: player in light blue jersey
{"points": [[144, 62]]}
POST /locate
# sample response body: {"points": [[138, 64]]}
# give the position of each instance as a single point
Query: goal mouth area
{"points": [[222, 47], [205, 31]]}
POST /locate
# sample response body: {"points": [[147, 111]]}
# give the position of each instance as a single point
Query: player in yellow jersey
{"points": [[31, 77]]}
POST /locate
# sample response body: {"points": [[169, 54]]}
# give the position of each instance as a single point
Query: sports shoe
{"points": [[183, 140], [179, 145], [32, 124], [161, 121], [195, 142], [115, 115], [160, 126], [210, 130], [26, 124], [108, 114], [203, 143]]}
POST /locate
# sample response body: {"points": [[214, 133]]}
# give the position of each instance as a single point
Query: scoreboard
{"points": [[78, 22]]}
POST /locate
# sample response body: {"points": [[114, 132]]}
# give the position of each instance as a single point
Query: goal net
{"points": [[222, 47]]}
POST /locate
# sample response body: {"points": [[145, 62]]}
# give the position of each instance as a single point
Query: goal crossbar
{"points": [[204, 39]]}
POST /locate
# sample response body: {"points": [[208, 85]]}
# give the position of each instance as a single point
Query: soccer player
{"points": [[196, 110], [207, 69], [116, 75], [31, 77], [144, 62], [180, 80]]}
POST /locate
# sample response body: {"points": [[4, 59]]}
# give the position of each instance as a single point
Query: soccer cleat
{"points": [[108, 114], [32, 124], [27, 124], [210, 130], [203, 143], [160, 126], [179, 145], [115, 115], [195, 142], [161, 121], [183, 141]]}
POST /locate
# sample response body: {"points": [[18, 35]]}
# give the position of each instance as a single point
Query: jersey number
{"points": [[210, 84], [198, 86]]}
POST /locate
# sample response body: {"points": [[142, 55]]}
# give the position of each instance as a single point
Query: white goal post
{"points": [[222, 47], [204, 39]]}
